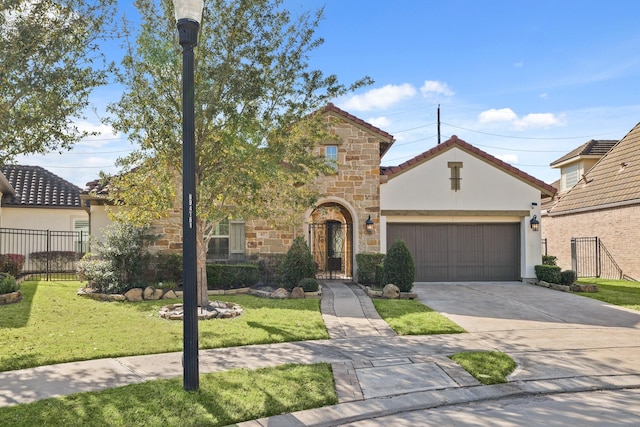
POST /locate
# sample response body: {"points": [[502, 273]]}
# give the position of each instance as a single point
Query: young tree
{"points": [[255, 122], [49, 64]]}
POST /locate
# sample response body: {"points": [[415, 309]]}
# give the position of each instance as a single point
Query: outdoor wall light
{"points": [[535, 224], [369, 225]]}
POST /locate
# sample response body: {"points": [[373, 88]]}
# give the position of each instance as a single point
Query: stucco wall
{"points": [[54, 219], [617, 228], [485, 189]]}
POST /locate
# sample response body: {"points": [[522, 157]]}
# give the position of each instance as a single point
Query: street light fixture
{"points": [[188, 17]]}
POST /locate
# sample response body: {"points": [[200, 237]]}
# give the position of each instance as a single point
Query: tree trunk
{"points": [[203, 297]]}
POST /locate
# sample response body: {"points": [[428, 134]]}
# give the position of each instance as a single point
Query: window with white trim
{"points": [[331, 155], [570, 176], [81, 227]]}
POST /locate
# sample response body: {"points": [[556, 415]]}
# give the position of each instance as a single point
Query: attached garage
{"points": [[461, 252]]}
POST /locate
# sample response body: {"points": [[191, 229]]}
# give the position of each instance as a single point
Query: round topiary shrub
{"points": [[309, 284], [399, 267], [8, 283], [298, 264]]}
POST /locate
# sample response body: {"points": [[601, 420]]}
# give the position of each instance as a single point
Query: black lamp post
{"points": [[188, 16]]}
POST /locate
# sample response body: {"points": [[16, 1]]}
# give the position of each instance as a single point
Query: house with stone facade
{"points": [[364, 207], [603, 202]]}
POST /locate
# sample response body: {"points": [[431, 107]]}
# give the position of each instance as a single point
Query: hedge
{"points": [[367, 262], [12, 264], [230, 276], [548, 273]]}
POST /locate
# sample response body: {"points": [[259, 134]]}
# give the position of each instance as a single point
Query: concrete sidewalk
{"points": [[378, 373]]}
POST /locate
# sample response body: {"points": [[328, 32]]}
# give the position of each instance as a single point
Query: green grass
{"points": [[618, 292], [488, 367], [52, 325], [223, 398], [411, 317]]}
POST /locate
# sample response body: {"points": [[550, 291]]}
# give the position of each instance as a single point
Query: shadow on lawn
{"points": [[17, 315]]}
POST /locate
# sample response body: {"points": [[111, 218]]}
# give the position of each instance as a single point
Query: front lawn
{"points": [[411, 317], [617, 292], [53, 325], [223, 398], [488, 367]]}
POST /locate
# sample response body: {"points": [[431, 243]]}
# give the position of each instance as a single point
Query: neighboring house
{"points": [[41, 200], [464, 214], [603, 203], [453, 188]]}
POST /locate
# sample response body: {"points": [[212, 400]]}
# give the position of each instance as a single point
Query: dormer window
{"points": [[331, 155], [570, 176]]}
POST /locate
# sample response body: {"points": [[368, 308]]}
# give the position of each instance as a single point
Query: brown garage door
{"points": [[461, 252]]}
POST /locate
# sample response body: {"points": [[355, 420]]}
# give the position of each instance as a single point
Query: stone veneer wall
{"points": [[357, 182], [616, 228]]}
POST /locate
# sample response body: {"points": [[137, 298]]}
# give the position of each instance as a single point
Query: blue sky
{"points": [[525, 81]]}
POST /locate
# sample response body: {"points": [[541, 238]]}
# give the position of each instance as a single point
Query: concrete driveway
{"points": [[508, 306]]}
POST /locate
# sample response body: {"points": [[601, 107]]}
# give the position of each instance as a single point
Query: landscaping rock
{"points": [[391, 291], [10, 298], [151, 293], [170, 294], [134, 294], [586, 287], [297, 293], [280, 293]]}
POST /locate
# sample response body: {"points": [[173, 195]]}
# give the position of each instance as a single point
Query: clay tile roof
{"points": [[37, 187], [387, 138], [613, 181], [594, 147], [455, 142]]}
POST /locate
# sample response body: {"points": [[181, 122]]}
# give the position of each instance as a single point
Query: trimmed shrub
{"points": [[268, 266], [11, 264], [8, 284], [298, 264], [309, 284], [549, 260], [168, 268], [99, 274], [399, 267], [125, 259], [58, 260], [367, 263], [568, 277], [380, 276], [548, 273], [230, 276]]}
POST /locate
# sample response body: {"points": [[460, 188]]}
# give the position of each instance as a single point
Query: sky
{"points": [[524, 81]]}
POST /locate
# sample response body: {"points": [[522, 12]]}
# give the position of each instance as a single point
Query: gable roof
{"points": [[613, 181], [594, 148], [452, 142], [37, 187], [386, 138]]}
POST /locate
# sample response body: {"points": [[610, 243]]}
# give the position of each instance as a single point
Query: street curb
{"points": [[373, 408]]}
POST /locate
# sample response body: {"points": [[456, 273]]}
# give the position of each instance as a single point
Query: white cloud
{"points": [[383, 97], [508, 158], [539, 120], [433, 87], [104, 137], [379, 122], [544, 95], [519, 64], [530, 121], [497, 116]]}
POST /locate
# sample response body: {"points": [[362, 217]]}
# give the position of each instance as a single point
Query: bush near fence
{"points": [[58, 260], [12, 264], [230, 276]]}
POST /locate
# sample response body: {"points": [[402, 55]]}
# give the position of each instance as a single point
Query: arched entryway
{"points": [[331, 241]]}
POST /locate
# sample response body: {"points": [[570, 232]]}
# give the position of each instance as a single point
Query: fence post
{"points": [[598, 261], [574, 256]]}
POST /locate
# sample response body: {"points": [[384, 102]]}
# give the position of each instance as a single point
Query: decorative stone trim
{"points": [[576, 287], [10, 298]]}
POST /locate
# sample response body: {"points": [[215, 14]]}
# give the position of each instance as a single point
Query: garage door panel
{"points": [[461, 252]]}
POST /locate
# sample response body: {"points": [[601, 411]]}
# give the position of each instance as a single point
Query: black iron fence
{"points": [[42, 254], [590, 258], [331, 244]]}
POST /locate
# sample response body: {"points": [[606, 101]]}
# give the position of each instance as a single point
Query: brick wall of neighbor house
{"points": [[617, 228], [357, 182]]}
